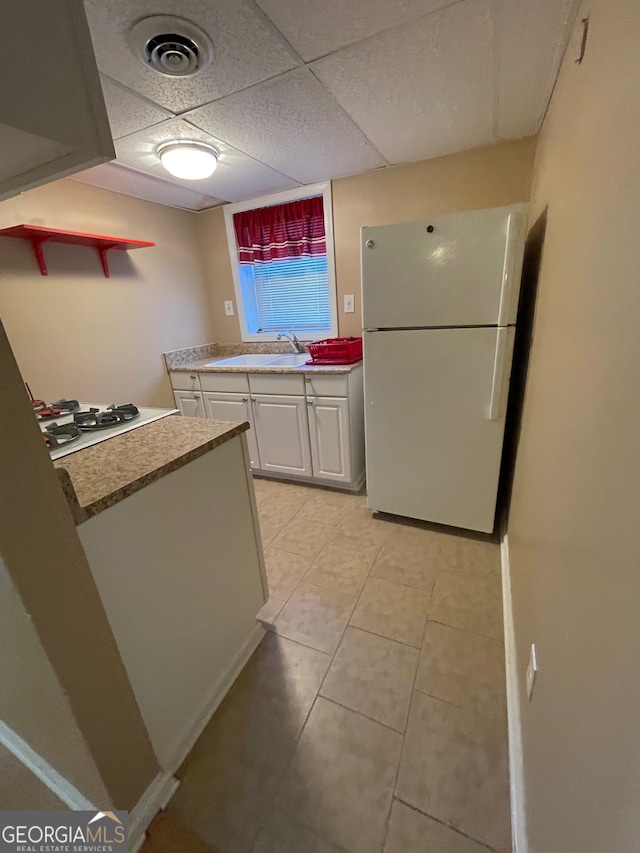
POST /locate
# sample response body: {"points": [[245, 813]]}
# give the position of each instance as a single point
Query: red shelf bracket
{"points": [[102, 251], [37, 250]]}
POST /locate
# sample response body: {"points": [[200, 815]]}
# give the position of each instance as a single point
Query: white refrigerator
{"points": [[440, 299]]}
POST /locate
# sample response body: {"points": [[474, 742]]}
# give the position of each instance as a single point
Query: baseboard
{"points": [[215, 696], [516, 763], [154, 798], [64, 790], [353, 487]]}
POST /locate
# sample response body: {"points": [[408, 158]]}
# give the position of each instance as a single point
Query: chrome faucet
{"points": [[296, 346]]}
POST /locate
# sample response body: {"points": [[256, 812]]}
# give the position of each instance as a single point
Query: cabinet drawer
{"points": [[272, 383], [234, 382], [183, 381], [322, 385]]}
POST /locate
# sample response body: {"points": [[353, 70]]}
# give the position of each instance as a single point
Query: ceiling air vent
{"points": [[171, 46]]}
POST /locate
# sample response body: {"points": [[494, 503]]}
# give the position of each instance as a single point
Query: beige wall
{"points": [[20, 789], [484, 177], [574, 525], [63, 681], [78, 334], [33, 704]]}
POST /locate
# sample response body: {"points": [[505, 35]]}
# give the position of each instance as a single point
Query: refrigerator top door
{"points": [[458, 270], [434, 422]]}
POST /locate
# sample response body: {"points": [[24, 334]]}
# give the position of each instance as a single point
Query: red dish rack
{"points": [[335, 351]]}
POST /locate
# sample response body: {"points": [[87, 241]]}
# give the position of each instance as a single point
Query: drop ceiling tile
{"points": [[122, 179], [294, 125], [248, 49], [318, 27], [420, 90], [237, 178], [532, 35], [127, 111]]}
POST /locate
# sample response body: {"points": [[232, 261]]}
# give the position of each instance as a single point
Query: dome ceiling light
{"points": [[191, 161]]}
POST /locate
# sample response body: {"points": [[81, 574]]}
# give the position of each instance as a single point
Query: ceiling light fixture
{"points": [[192, 161]]}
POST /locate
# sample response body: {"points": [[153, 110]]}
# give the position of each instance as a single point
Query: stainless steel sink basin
{"points": [[247, 360], [290, 360]]}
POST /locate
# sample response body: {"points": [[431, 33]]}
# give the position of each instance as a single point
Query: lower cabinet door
{"points": [[234, 407], [330, 439], [190, 404], [282, 431]]}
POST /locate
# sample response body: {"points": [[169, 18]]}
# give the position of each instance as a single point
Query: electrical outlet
{"points": [[532, 670], [349, 304], [228, 308]]}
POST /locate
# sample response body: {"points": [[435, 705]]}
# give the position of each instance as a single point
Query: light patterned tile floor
{"points": [[372, 717]]}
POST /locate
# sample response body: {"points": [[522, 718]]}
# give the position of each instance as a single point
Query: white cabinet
{"points": [[234, 407], [185, 381], [329, 435], [282, 431], [308, 426], [53, 120], [189, 403]]}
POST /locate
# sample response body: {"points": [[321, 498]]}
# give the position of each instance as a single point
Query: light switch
{"points": [[532, 670], [228, 307], [349, 304]]}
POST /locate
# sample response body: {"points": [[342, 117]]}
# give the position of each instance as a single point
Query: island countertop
{"points": [[100, 476]]}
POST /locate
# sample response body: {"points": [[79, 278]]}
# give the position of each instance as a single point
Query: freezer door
{"points": [[434, 418], [464, 272]]}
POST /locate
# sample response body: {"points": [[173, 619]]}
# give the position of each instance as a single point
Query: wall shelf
{"points": [[38, 235]]}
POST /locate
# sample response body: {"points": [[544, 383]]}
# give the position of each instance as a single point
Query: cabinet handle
{"points": [[193, 376], [253, 399], [309, 402], [196, 396], [245, 399], [307, 379]]}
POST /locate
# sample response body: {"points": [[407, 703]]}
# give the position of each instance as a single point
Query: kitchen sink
{"points": [[292, 360], [247, 360]]}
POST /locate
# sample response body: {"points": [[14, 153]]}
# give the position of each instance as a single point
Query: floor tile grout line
{"points": [[466, 630], [455, 829], [321, 695], [406, 723], [463, 707]]}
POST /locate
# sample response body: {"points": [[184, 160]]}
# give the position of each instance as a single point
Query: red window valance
{"points": [[281, 231]]}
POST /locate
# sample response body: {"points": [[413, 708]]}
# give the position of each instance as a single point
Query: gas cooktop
{"points": [[69, 425]]}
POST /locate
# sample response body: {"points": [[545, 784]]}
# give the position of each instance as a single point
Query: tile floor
{"points": [[372, 717]]}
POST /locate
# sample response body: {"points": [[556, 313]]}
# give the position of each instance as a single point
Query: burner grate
{"points": [[59, 435], [95, 419]]}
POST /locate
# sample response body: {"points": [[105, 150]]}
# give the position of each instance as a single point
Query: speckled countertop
{"points": [[196, 359], [100, 476]]}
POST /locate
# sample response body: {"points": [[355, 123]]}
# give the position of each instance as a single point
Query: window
{"points": [[282, 259]]}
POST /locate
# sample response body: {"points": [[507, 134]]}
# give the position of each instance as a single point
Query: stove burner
{"points": [[58, 435], [94, 419], [61, 407]]}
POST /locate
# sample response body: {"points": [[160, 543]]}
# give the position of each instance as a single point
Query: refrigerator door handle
{"points": [[508, 267], [497, 383]]}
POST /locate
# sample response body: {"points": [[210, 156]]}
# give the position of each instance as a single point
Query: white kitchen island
{"points": [[167, 518]]}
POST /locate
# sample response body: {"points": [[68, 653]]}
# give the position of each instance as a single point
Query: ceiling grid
{"points": [[299, 93]]}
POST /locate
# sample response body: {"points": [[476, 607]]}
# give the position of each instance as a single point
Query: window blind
{"points": [[292, 295]]}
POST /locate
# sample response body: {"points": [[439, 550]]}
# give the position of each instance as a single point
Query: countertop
{"points": [[200, 366], [100, 476]]}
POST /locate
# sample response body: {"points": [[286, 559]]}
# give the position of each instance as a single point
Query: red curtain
{"points": [[281, 231]]}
